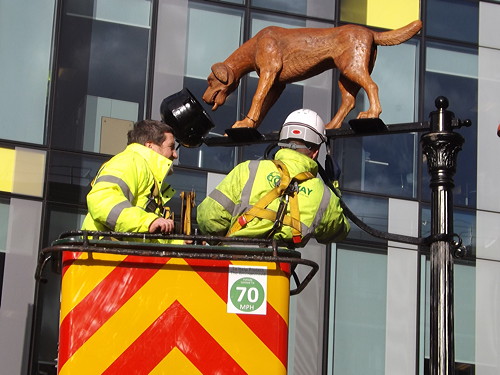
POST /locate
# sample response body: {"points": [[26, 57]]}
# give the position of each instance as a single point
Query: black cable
{"points": [[359, 223], [363, 226]]}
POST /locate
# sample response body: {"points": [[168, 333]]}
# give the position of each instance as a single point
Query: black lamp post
{"points": [[441, 146]]}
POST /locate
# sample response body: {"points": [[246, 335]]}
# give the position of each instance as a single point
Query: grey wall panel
{"points": [[213, 179], [488, 236], [170, 58], [489, 27], [402, 287], [487, 317], [19, 283], [488, 144]]}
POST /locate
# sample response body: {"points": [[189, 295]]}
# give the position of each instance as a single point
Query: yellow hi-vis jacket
{"points": [[321, 216], [129, 191]]}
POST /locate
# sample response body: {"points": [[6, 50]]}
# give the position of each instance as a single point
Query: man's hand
{"points": [[162, 225]]}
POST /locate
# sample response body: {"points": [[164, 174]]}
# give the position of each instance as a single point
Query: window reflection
{"points": [[104, 56], [313, 8], [453, 19], [60, 219], [457, 80], [207, 24], [132, 12], [25, 57], [70, 176], [360, 311], [372, 211], [380, 164], [297, 6]]}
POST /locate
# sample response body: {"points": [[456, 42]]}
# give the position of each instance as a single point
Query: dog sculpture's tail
{"points": [[398, 36]]}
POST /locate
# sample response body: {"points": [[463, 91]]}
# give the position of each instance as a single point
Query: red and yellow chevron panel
{"points": [[147, 315]]}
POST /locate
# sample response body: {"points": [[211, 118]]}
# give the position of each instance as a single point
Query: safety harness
{"points": [[287, 189], [154, 203]]}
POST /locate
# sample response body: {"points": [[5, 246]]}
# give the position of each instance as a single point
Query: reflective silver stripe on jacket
{"points": [[237, 209], [221, 198], [115, 213], [323, 205], [244, 205], [118, 181]]}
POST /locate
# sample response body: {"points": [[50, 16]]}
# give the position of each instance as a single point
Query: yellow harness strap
{"points": [[261, 211]]}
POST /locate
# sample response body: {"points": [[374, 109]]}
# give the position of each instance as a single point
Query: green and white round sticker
{"points": [[247, 290], [247, 294]]}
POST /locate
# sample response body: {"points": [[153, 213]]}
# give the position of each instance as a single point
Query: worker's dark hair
{"points": [[148, 131]]}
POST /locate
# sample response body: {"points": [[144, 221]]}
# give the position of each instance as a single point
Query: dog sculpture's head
{"points": [[221, 83]]}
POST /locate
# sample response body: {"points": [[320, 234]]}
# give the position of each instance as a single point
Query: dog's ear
{"points": [[223, 73]]}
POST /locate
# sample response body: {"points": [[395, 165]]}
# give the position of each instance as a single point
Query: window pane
{"points": [[132, 12], [206, 24], [25, 45], [379, 164], [461, 21], [62, 219], [70, 176], [452, 72], [312, 8], [231, 1], [372, 211], [360, 312], [102, 65]]}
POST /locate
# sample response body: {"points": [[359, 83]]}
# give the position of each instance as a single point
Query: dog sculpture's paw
{"points": [[245, 123], [369, 114]]}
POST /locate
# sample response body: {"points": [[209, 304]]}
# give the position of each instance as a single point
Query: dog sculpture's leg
{"points": [[268, 59], [371, 89], [348, 91], [273, 95], [265, 96]]}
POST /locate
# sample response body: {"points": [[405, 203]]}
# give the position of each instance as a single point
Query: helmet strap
{"points": [[292, 145]]}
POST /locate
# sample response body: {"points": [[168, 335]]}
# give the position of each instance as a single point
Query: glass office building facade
{"points": [[77, 73]]}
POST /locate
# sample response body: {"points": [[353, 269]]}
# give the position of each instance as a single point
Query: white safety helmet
{"points": [[304, 125]]}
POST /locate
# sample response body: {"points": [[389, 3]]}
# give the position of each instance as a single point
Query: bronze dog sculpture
{"points": [[281, 56]]}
